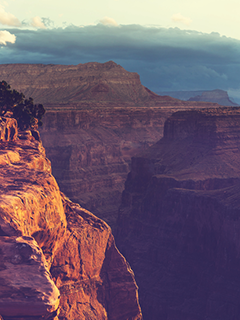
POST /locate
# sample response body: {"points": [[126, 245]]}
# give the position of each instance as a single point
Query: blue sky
{"points": [[173, 45]]}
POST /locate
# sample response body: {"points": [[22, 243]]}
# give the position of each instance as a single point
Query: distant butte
{"points": [[217, 96]]}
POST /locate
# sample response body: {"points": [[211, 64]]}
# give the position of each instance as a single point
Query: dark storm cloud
{"points": [[166, 59]]}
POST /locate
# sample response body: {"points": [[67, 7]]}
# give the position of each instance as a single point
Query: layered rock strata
{"points": [[91, 150], [98, 116], [179, 221], [85, 85], [57, 260]]}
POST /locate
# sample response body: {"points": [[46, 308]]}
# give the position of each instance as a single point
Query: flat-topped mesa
{"points": [[57, 260], [179, 221], [85, 85]]}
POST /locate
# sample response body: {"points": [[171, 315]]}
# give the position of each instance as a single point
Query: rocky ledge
{"points": [[57, 260], [179, 221]]}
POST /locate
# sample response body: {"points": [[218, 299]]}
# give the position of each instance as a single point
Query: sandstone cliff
{"points": [[98, 116], [179, 221], [57, 260]]}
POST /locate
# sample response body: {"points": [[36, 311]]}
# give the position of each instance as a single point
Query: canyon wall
{"points": [[179, 220], [57, 260], [90, 151]]}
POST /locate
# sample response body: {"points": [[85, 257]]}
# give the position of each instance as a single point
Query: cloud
{"points": [[178, 17], [37, 23], [106, 21], [8, 19], [6, 36], [166, 59]]}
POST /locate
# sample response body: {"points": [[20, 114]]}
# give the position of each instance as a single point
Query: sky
{"points": [[173, 45]]}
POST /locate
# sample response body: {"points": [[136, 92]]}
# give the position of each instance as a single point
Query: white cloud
{"points": [[108, 21], [178, 17], [8, 18], [6, 36], [37, 23]]}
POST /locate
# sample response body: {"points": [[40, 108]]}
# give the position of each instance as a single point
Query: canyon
{"points": [[179, 220], [57, 260], [97, 117], [173, 208]]}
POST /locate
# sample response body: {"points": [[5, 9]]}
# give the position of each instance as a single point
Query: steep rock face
{"points": [[179, 223], [41, 231], [95, 280]]}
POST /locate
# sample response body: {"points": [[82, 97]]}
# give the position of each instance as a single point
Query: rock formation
{"points": [[98, 116], [219, 96], [179, 221], [87, 85], [57, 260]]}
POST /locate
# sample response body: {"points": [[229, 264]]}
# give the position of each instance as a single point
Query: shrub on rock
{"points": [[23, 110]]}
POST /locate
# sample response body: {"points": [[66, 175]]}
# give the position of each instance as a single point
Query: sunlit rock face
{"points": [[57, 260], [179, 223]]}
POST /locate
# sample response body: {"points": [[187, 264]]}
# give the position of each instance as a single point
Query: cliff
{"points": [[90, 151], [179, 223], [57, 260], [98, 116]]}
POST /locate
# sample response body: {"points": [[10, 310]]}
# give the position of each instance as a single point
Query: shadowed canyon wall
{"points": [[179, 220]]}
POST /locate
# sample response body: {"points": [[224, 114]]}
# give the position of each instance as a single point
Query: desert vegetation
{"points": [[14, 104]]}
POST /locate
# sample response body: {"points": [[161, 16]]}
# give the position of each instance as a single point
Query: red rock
{"points": [[8, 129], [26, 285], [75, 245], [95, 280]]}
